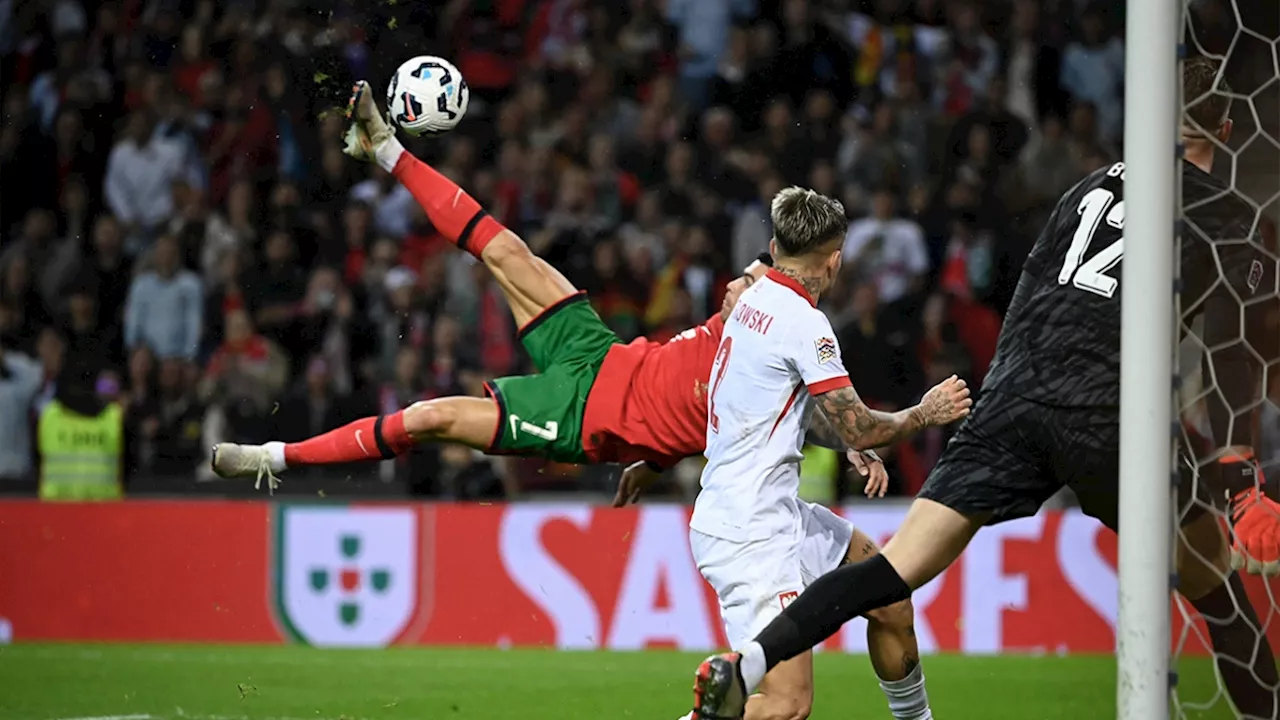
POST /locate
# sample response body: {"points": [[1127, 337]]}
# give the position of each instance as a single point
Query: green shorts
{"points": [[541, 414]]}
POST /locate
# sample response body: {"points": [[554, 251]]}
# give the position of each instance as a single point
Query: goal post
{"points": [[1147, 419], [1165, 422]]}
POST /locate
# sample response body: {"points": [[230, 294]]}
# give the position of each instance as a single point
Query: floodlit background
{"points": [[634, 144]]}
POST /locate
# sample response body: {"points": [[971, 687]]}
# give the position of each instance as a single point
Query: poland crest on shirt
{"points": [[777, 352]]}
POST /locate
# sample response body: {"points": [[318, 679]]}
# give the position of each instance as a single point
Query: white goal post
{"points": [[1152, 102]]}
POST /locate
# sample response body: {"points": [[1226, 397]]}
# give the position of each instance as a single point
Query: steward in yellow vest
{"points": [[80, 440]]}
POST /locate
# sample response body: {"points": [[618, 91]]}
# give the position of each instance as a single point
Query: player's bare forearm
{"points": [[859, 427], [822, 434], [1236, 375], [862, 428]]}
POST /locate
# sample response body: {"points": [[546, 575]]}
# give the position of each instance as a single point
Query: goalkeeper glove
{"points": [[1255, 518]]}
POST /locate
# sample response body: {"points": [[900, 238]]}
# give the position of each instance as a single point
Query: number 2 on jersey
{"points": [[1092, 274], [721, 364]]}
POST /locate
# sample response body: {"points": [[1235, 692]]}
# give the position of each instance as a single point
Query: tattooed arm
{"points": [[860, 427], [822, 434]]}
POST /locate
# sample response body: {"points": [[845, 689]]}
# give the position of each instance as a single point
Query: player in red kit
{"points": [[594, 399]]}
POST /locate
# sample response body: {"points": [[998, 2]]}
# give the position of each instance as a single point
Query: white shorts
{"points": [[757, 579]]}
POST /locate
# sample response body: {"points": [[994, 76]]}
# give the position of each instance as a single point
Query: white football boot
{"points": [[369, 136], [230, 460]]}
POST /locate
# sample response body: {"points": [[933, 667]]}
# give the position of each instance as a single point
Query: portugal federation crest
{"points": [[347, 576]]}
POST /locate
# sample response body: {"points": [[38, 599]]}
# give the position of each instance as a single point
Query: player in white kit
{"points": [[753, 539]]}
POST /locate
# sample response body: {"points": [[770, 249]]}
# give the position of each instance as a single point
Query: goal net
{"points": [[1241, 35]]}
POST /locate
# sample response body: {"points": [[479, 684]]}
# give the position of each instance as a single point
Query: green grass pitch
{"points": [[155, 682]]}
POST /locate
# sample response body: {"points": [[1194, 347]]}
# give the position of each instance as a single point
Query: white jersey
{"points": [[777, 352]]}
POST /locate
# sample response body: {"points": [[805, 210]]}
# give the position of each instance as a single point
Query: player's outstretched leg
{"points": [[530, 284], [891, 643], [1240, 645], [895, 656], [931, 537], [467, 420], [786, 693]]}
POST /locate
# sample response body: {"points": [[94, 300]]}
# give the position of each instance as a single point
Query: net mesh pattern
{"points": [[1242, 38]]}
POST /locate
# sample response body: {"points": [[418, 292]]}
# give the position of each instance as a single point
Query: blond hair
{"points": [[1206, 97], [805, 221]]}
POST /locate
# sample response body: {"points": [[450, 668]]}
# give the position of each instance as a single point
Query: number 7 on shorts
{"points": [[547, 431]]}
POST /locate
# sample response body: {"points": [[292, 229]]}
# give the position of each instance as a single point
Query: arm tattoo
{"points": [[822, 434], [861, 427]]}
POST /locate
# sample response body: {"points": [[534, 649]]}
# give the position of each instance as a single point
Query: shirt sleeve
{"points": [[1237, 335], [1246, 268], [817, 355]]}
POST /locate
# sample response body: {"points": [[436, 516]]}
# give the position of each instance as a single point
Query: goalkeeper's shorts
{"points": [[1012, 454]]}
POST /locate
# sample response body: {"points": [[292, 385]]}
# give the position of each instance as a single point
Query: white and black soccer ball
{"points": [[427, 96]]}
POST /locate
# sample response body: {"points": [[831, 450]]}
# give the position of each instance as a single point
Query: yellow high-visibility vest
{"points": [[80, 455], [819, 471]]}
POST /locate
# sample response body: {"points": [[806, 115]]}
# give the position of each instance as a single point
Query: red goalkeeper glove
{"points": [[1255, 518]]}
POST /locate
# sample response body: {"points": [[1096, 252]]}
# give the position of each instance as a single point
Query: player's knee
{"points": [[428, 419], [899, 616]]}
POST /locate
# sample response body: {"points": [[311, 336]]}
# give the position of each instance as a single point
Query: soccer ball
{"points": [[427, 96]]}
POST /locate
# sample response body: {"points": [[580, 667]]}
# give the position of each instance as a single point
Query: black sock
{"points": [[1242, 651], [831, 601]]}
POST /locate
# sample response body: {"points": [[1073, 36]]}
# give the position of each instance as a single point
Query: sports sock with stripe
{"points": [[452, 212], [907, 697], [372, 438]]}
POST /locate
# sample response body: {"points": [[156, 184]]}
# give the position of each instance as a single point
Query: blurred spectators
{"points": [[702, 29], [887, 250], [1093, 72], [91, 344], [163, 310], [164, 423], [243, 379], [177, 211], [20, 380], [141, 172], [315, 405]]}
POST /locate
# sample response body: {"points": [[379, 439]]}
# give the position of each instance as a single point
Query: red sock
{"points": [[372, 438], [453, 212]]}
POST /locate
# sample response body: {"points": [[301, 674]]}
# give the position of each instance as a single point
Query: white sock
{"points": [[907, 697], [388, 153], [276, 451], [688, 717], [753, 666]]}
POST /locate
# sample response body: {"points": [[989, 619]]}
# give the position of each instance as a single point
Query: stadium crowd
{"points": [[181, 233]]}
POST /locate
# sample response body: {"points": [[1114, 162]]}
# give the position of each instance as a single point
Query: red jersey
{"points": [[649, 400]]}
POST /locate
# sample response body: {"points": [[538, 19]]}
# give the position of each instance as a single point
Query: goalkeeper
{"points": [[1048, 416]]}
